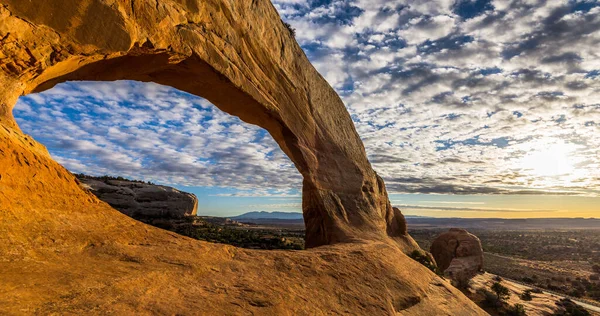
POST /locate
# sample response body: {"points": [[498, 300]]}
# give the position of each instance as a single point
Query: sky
{"points": [[467, 108]]}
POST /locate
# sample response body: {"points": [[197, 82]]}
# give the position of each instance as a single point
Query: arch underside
{"points": [[248, 67], [239, 56]]}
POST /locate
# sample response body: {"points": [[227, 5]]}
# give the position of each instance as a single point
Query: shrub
{"points": [[594, 277], [537, 291], [490, 299], [424, 259], [526, 296], [577, 293], [527, 280], [594, 294], [289, 28], [568, 308], [461, 282], [516, 310], [163, 223], [501, 291]]}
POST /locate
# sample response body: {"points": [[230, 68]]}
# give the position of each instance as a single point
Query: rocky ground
{"points": [[66, 252], [561, 261], [541, 304]]}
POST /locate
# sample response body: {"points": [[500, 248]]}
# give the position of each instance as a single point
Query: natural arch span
{"points": [[239, 56], [63, 251]]}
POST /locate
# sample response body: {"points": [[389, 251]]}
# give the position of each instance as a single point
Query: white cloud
{"points": [[457, 115]]}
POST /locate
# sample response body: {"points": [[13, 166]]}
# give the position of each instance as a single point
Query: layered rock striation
{"points": [[135, 199], [65, 252], [238, 55]]}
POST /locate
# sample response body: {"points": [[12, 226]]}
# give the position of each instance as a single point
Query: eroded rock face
{"points": [[458, 254], [141, 199], [64, 251], [236, 54]]}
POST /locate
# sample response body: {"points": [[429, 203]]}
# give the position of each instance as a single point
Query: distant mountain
{"points": [[285, 216], [296, 220], [417, 216], [505, 224], [268, 215]]}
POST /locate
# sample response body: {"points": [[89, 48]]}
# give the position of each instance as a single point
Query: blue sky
{"points": [[466, 108]]}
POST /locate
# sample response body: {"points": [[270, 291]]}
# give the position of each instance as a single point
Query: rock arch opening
{"points": [[64, 251], [250, 69], [158, 134]]}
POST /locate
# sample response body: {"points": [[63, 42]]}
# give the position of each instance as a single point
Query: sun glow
{"points": [[552, 160]]}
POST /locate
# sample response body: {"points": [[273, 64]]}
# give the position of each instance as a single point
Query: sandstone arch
{"points": [[239, 56]]}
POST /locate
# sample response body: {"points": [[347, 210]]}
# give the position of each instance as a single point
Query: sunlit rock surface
{"points": [[65, 252], [458, 254]]}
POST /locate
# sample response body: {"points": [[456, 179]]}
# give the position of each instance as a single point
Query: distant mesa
{"points": [[417, 216], [458, 254], [504, 223], [261, 215], [138, 198], [269, 215]]}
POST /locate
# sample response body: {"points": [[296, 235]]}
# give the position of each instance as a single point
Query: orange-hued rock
{"points": [[63, 251], [458, 254], [236, 54]]}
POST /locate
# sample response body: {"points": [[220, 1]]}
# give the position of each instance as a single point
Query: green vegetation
{"points": [[575, 245], [239, 237], [496, 297], [533, 256], [490, 299], [425, 260], [289, 28], [526, 296], [568, 308], [501, 291], [546, 245], [225, 231], [106, 178], [516, 310]]}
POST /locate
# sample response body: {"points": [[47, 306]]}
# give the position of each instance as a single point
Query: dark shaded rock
{"points": [[141, 199]]}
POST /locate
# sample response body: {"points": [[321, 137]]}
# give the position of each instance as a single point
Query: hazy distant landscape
{"points": [[441, 222], [558, 254]]}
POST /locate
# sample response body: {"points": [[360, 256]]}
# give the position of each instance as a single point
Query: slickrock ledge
{"points": [[63, 251], [134, 198]]}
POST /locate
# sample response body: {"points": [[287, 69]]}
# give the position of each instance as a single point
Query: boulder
{"points": [[458, 254], [136, 199]]}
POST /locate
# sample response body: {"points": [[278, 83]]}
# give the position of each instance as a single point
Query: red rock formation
{"points": [[239, 56], [64, 251], [458, 254]]}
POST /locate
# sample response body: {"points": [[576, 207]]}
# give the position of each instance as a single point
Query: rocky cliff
{"points": [[135, 198], [65, 252], [236, 54]]}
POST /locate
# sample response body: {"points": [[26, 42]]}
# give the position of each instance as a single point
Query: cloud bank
{"points": [[449, 97]]}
